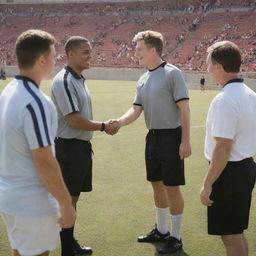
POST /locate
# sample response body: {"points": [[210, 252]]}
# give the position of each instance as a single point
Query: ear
{"points": [[153, 50], [41, 60], [219, 67], [70, 54]]}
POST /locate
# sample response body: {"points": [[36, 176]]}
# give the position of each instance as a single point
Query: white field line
{"points": [[135, 131]]}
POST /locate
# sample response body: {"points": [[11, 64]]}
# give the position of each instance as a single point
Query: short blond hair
{"points": [[227, 54], [152, 39]]}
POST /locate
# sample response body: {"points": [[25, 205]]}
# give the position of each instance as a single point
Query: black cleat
{"points": [[172, 246], [154, 236], [80, 249]]}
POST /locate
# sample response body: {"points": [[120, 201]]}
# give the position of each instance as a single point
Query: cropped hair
{"points": [[73, 42], [227, 54], [152, 39], [30, 45]]}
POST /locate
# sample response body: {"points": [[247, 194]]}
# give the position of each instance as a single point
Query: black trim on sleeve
{"points": [[41, 107], [68, 92], [181, 99], [136, 104], [36, 126]]}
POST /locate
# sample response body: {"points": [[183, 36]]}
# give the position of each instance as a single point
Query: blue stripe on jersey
{"points": [[68, 92], [36, 125], [41, 107]]}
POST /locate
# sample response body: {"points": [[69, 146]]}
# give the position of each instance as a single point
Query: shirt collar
{"points": [[236, 80], [74, 74], [161, 65], [19, 77]]}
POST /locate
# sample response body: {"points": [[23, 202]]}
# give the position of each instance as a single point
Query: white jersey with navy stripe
{"points": [[28, 122], [70, 94]]}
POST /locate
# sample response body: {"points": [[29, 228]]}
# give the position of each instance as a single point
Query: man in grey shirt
{"points": [[75, 129], [163, 95]]}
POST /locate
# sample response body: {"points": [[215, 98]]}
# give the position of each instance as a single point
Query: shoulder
{"points": [[142, 79], [59, 77], [169, 68]]}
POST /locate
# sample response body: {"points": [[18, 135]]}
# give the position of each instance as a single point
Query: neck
{"points": [[77, 70], [154, 63], [33, 75], [227, 77]]}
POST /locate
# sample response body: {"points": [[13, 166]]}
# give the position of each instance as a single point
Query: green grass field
{"points": [[121, 205]]}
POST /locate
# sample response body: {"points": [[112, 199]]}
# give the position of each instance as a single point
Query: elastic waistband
{"points": [[164, 131], [241, 161], [72, 140], [246, 160]]}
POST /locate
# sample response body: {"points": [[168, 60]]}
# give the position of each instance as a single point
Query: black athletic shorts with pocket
{"points": [[231, 193], [162, 157], [75, 159]]}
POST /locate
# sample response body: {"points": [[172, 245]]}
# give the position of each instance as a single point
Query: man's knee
{"points": [[173, 191], [231, 240]]}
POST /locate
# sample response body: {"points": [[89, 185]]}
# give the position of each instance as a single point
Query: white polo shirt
{"points": [[232, 115], [28, 120]]}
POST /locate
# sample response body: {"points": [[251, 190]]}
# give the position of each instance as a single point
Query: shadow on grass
{"points": [[180, 252]]}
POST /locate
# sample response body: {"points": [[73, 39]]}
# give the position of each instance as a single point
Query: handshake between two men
{"points": [[112, 126]]}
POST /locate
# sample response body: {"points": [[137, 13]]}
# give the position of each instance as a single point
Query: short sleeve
{"points": [[137, 100], [178, 86], [65, 97], [224, 123], [37, 125]]}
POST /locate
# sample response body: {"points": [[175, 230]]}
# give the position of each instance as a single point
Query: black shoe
{"points": [[172, 246], [81, 250], [154, 236]]}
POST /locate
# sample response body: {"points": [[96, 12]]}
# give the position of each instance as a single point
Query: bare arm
{"points": [[49, 172], [218, 162], [79, 122], [185, 147], [130, 116]]}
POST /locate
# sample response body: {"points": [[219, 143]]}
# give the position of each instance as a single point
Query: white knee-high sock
{"points": [[176, 221], [162, 219]]}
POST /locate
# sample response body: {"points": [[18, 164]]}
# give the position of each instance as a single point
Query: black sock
{"points": [[67, 240]]}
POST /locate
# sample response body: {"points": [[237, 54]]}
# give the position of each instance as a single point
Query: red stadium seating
{"points": [[189, 27]]}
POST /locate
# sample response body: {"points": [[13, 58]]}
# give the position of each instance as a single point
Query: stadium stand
{"points": [[189, 27]]}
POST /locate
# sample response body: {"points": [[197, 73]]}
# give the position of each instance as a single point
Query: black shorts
{"points": [[163, 162], [75, 159], [231, 193]]}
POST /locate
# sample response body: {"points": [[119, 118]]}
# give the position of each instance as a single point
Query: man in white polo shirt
{"points": [[34, 200], [229, 147]]}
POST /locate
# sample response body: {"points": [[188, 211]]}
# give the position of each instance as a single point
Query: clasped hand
{"points": [[112, 126]]}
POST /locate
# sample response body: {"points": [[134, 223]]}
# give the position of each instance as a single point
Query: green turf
{"points": [[121, 205]]}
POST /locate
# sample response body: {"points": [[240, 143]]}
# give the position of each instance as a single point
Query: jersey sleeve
{"points": [[138, 99], [178, 86], [37, 125], [65, 97], [225, 119]]}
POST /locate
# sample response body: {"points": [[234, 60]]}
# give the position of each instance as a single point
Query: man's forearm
{"points": [[185, 124], [77, 121], [218, 163], [130, 116]]}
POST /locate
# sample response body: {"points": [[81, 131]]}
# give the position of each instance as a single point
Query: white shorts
{"points": [[32, 236]]}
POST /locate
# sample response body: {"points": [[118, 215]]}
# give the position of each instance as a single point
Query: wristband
{"points": [[102, 128]]}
